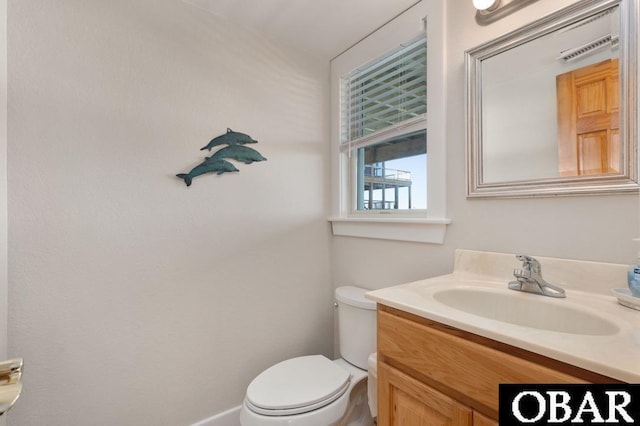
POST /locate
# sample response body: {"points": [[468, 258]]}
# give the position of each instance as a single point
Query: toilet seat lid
{"points": [[297, 383]]}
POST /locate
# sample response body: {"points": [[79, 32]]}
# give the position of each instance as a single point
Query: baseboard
{"points": [[230, 417]]}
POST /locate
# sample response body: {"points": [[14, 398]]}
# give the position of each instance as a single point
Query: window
{"points": [[383, 121], [391, 175], [388, 165]]}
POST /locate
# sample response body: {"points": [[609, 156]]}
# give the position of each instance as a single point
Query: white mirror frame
{"points": [[627, 180]]}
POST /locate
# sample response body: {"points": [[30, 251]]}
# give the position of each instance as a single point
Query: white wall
{"points": [[587, 227], [133, 299], [3, 182]]}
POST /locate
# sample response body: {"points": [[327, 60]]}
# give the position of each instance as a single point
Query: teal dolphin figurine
{"points": [[229, 138], [208, 166], [244, 154]]}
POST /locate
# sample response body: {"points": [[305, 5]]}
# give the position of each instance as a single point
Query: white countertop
{"points": [[615, 355]]}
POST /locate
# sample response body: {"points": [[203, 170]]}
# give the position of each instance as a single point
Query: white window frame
{"points": [[429, 225]]}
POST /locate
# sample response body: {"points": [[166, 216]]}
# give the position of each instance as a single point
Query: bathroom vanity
{"points": [[432, 371], [439, 363]]}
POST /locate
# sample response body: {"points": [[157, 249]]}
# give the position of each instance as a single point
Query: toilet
{"points": [[314, 390]]}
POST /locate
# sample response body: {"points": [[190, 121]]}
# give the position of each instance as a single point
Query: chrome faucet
{"points": [[529, 279]]}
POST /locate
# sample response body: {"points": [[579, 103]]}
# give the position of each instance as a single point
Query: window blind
{"points": [[384, 95]]}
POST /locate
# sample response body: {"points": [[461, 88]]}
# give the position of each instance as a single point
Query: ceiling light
{"points": [[492, 10], [486, 5]]}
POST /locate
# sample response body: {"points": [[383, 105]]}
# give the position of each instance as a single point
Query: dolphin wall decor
{"points": [[229, 138], [244, 154], [208, 166], [235, 150]]}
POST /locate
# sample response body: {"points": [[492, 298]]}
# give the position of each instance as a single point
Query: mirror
{"points": [[551, 106]]}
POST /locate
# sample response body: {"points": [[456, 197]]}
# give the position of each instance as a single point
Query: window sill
{"points": [[398, 229]]}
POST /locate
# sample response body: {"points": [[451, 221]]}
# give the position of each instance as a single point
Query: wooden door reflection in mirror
{"points": [[589, 120]]}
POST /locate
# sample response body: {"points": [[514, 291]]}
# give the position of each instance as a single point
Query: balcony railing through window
{"points": [[382, 185]]}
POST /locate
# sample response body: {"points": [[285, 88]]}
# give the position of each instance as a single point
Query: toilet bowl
{"points": [[314, 390], [302, 400]]}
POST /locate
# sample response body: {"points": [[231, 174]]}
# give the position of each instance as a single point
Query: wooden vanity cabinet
{"points": [[409, 402], [431, 374], [480, 420]]}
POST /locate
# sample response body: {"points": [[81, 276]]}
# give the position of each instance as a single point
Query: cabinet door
{"points": [[404, 401], [480, 420]]}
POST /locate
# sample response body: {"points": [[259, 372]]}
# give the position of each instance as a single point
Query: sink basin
{"points": [[526, 310]]}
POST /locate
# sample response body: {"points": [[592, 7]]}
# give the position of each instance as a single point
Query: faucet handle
{"points": [[528, 262]]}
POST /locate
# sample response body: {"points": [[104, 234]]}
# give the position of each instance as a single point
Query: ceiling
{"points": [[321, 27]]}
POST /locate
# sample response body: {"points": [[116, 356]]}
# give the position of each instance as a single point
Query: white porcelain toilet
{"points": [[314, 390]]}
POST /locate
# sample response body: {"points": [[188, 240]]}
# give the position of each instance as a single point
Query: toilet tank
{"points": [[356, 325]]}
